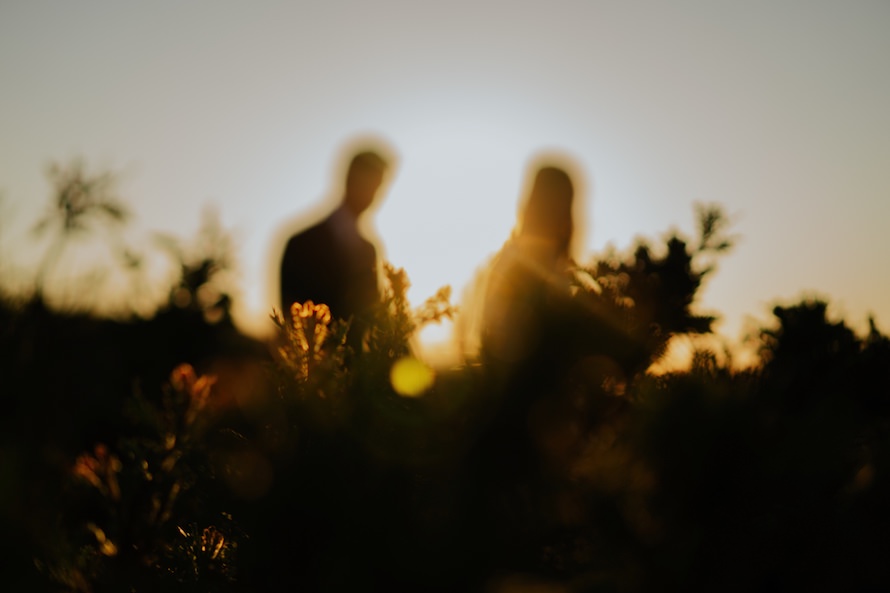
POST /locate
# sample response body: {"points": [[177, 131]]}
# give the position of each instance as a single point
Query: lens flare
{"points": [[411, 377]]}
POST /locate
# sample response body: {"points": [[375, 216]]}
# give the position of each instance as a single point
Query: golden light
{"points": [[410, 377]]}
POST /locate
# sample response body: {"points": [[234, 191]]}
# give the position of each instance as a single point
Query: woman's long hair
{"points": [[547, 212]]}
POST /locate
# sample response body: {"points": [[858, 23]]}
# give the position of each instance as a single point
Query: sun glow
{"points": [[452, 204]]}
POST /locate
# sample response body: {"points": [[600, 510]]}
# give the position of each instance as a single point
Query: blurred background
{"points": [[775, 109]]}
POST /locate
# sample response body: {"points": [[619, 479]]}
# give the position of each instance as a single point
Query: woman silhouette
{"points": [[530, 275]]}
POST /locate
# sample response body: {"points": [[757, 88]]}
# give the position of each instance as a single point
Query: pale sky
{"points": [[776, 109]]}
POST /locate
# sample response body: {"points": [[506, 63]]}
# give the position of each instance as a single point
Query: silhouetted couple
{"points": [[527, 302]]}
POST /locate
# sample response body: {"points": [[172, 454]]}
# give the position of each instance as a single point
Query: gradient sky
{"points": [[777, 109]]}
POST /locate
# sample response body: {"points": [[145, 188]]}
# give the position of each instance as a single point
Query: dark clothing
{"points": [[331, 263]]}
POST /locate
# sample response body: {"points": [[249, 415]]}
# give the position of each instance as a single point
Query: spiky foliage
{"points": [[205, 262], [650, 297], [141, 505], [571, 476], [80, 201]]}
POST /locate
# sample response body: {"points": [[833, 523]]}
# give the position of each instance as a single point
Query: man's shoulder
{"points": [[316, 232]]}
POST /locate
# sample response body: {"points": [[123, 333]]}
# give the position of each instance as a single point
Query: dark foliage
{"points": [[307, 464]]}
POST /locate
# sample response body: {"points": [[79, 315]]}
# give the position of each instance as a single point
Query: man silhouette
{"points": [[331, 262]]}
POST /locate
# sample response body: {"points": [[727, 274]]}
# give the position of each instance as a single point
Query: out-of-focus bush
{"points": [[345, 466]]}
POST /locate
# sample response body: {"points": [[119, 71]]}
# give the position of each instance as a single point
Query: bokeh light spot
{"points": [[411, 377]]}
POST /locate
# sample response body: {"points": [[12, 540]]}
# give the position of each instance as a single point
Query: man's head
{"points": [[364, 177]]}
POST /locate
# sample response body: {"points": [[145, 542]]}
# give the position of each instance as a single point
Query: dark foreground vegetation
{"points": [[170, 452]]}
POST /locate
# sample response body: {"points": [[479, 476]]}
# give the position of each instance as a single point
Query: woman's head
{"points": [[547, 212]]}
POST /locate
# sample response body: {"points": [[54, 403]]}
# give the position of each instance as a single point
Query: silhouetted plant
{"points": [[202, 286], [317, 363], [585, 471], [650, 297], [79, 202], [143, 519]]}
